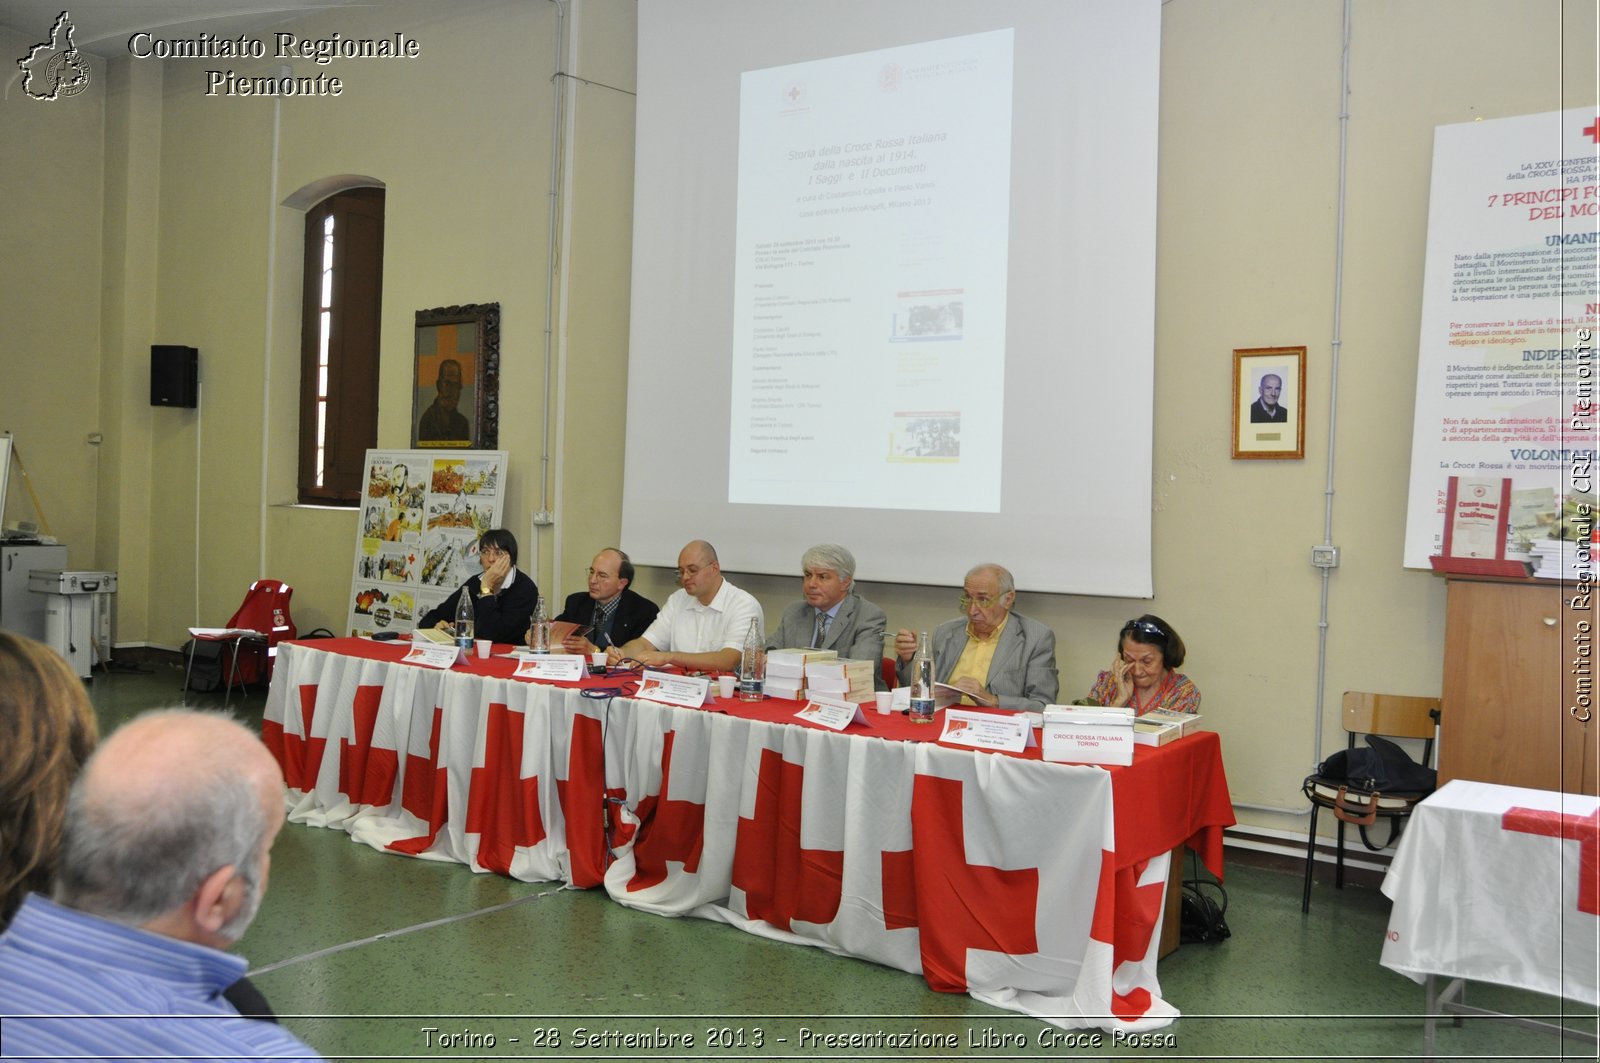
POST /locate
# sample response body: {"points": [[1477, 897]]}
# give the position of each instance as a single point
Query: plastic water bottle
{"points": [[539, 629], [922, 703], [752, 663], [464, 621]]}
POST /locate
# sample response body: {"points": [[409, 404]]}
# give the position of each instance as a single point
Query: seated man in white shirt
{"points": [[703, 625]]}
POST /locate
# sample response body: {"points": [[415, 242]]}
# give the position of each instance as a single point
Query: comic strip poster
{"points": [[422, 513]]}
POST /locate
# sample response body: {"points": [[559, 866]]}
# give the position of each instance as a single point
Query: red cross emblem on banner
{"points": [[1585, 830], [584, 799], [781, 880], [366, 773], [298, 755], [956, 905], [502, 807], [668, 830]]}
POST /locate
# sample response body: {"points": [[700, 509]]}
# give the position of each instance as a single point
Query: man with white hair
{"points": [[164, 862], [832, 615], [999, 658]]}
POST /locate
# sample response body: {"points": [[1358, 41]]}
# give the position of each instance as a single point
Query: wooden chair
{"points": [[1388, 716]]}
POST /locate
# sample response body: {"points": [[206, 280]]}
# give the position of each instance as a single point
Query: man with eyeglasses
{"points": [[612, 611], [703, 625], [999, 658], [832, 616]]}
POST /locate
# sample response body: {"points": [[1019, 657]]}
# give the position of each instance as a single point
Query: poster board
{"points": [[422, 512], [1506, 354], [5, 474]]}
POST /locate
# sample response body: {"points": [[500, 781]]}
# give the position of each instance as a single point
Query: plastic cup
{"points": [[483, 649], [597, 663], [725, 685], [884, 698]]}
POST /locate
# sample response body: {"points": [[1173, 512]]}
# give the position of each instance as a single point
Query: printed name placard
{"points": [[685, 690], [832, 713], [552, 667], [982, 730], [434, 654]]}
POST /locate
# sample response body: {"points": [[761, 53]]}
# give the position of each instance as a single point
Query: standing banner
{"points": [[422, 512], [1505, 365]]}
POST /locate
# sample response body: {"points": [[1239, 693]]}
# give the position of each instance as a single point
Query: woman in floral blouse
{"points": [[1143, 674]]}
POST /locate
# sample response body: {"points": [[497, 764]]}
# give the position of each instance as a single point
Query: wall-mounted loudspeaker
{"points": [[174, 376]]}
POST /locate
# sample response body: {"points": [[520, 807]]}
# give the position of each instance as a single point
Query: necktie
{"points": [[600, 636], [821, 631]]}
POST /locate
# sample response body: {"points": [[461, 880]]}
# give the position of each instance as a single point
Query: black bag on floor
{"points": [[205, 668]]}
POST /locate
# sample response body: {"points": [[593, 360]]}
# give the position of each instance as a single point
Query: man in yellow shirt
{"points": [[1000, 658]]}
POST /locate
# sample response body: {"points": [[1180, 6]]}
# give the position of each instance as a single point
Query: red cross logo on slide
{"points": [[502, 807], [781, 880], [668, 830], [1593, 132], [1584, 830], [956, 905]]}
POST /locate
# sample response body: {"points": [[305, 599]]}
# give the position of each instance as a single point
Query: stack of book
{"points": [[841, 678], [786, 671], [1160, 726]]}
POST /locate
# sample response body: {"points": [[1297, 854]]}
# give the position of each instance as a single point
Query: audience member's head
{"points": [[47, 731], [170, 825]]}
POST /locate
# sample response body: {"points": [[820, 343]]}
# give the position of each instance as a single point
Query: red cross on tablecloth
{"points": [[502, 806], [366, 772], [668, 830], [425, 793], [1125, 915], [298, 755], [955, 905], [583, 796], [1585, 830], [781, 880]]}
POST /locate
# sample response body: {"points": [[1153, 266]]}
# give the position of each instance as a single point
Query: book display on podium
{"points": [[841, 677], [786, 671], [1477, 514]]}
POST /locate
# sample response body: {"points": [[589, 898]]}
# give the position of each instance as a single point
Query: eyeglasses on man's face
{"points": [[982, 601]]}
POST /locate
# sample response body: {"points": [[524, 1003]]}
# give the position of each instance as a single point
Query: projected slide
{"points": [[869, 302]]}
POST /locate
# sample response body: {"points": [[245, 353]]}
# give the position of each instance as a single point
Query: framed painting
{"points": [[1269, 402], [455, 384]]}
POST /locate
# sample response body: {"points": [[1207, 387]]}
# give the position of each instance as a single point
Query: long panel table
{"points": [[1031, 885]]}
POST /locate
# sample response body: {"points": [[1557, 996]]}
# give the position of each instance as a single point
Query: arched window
{"points": [[340, 319]]}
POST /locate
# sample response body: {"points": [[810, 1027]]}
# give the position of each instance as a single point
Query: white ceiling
{"points": [[102, 27]]}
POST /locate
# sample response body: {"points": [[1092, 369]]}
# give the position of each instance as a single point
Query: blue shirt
{"points": [[165, 995]]}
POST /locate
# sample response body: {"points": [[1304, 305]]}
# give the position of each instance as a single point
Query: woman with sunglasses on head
{"points": [[1143, 674]]}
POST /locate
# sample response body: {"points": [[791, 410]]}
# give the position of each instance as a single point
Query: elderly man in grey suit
{"points": [[1000, 658], [833, 616]]}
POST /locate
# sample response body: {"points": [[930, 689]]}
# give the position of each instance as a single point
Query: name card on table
{"points": [[434, 654], [833, 713], [982, 730], [1088, 736], [686, 690], [552, 667]]}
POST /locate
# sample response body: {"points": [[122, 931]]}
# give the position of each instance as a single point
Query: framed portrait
{"points": [[1269, 402], [455, 386]]}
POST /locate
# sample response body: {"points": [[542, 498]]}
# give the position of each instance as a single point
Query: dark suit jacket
{"points": [[634, 614], [501, 618], [856, 632], [1259, 414], [1022, 674]]}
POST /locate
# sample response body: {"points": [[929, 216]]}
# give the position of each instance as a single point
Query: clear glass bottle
{"points": [[922, 702], [539, 628], [464, 622], [753, 663]]}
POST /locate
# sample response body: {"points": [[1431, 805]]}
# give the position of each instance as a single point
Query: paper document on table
{"points": [[560, 629], [221, 632], [945, 695]]}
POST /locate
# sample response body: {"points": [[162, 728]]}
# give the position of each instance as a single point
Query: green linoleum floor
{"points": [[369, 955]]}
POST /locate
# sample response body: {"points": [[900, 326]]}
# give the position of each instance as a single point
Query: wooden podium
{"points": [[1510, 683]]}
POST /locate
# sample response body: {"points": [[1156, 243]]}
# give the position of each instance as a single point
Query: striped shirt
{"points": [[161, 996]]}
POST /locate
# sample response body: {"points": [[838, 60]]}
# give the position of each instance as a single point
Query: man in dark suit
{"points": [[1266, 410], [613, 613], [833, 616], [1000, 658]]}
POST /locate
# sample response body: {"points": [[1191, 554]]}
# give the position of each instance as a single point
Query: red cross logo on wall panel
{"points": [[298, 755], [956, 905], [425, 793], [1593, 132], [366, 774], [668, 830], [781, 880], [502, 807], [1584, 830], [583, 796]]}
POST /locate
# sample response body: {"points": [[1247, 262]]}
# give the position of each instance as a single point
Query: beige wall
{"points": [[1247, 226]]}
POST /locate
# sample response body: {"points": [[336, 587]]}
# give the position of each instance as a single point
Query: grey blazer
{"points": [[1022, 674], [856, 632]]}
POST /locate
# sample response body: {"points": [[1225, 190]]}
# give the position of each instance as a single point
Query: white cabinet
{"points": [[21, 610]]}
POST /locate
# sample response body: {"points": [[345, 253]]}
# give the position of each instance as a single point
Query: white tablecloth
{"points": [[1499, 884]]}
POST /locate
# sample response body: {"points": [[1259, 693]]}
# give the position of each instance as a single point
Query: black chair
{"points": [[1388, 716]]}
